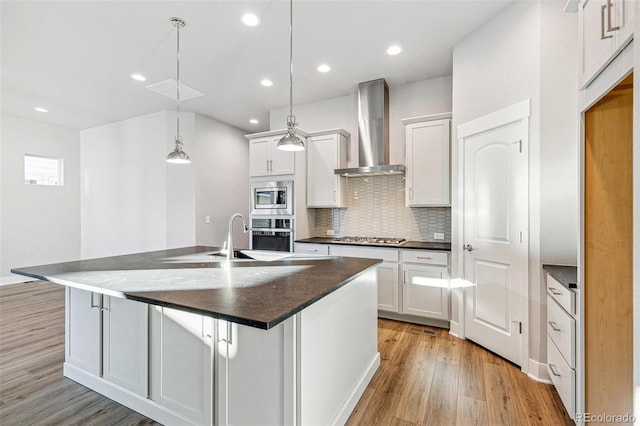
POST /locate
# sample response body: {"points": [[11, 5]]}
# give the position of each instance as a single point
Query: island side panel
{"points": [[338, 351], [255, 374]]}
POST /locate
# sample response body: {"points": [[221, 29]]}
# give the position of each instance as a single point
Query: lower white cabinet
{"points": [[410, 282], [180, 363], [425, 291], [388, 297], [107, 337]]}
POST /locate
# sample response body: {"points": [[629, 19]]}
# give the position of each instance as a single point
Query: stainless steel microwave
{"points": [[272, 198]]}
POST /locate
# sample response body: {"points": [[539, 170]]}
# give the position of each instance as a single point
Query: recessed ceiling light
{"points": [[266, 82], [324, 68], [138, 77], [250, 19], [253, 121], [40, 109], [394, 50]]}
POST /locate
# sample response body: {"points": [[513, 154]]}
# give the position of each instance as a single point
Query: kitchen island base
{"points": [[311, 368]]}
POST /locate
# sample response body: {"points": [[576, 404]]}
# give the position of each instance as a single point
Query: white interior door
{"points": [[495, 237]]}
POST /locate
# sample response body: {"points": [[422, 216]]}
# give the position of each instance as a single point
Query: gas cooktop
{"points": [[370, 240]]}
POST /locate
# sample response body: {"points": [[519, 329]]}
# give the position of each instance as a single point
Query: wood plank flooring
{"points": [[422, 379]]}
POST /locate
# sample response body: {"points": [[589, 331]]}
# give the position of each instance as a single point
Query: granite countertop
{"points": [[251, 292], [419, 245], [565, 275]]}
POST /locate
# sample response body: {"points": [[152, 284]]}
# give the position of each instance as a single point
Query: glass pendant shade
{"points": [[178, 156]]}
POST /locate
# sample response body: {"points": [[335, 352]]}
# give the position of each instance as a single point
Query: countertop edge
{"points": [[567, 275]]}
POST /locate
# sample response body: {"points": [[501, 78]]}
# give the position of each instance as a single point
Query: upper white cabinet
{"points": [[326, 151], [265, 159], [606, 26], [427, 141]]}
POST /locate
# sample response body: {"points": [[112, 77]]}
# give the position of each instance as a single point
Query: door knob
{"points": [[468, 247]]}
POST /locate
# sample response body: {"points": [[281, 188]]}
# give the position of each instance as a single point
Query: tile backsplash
{"points": [[375, 208]]}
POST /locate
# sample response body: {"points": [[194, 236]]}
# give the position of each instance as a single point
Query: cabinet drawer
{"points": [[429, 257], [561, 328], [565, 297], [322, 249], [562, 376], [388, 255]]}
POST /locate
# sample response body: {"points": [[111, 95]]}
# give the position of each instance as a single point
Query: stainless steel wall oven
{"points": [[271, 233]]}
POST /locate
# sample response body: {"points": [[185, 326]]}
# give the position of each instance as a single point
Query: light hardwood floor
{"points": [[423, 379]]}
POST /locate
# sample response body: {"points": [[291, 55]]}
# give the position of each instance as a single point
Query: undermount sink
{"points": [[259, 255]]}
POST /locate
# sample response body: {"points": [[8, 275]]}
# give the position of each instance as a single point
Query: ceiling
{"points": [[75, 58]]}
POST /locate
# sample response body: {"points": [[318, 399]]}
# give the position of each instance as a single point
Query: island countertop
{"points": [[250, 292]]}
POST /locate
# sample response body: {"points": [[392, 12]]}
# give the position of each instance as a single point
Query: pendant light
{"points": [[178, 156], [291, 141]]}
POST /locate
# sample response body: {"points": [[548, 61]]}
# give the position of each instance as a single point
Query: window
{"points": [[43, 170]]}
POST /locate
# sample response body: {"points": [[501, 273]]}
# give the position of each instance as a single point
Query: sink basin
{"points": [[238, 254], [260, 255]]}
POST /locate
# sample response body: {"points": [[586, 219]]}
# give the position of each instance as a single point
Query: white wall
{"points": [[40, 224], [221, 163], [529, 52], [421, 98], [132, 199]]}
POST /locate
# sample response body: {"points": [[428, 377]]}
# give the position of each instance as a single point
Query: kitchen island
{"points": [[186, 337]]}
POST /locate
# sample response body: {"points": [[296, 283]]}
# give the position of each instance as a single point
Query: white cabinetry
{"points": [[428, 156], [107, 338], [387, 272], [180, 363], [425, 284], [561, 342], [265, 159], [308, 248], [326, 151], [606, 26]]}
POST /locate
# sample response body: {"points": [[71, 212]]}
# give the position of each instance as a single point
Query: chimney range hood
{"points": [[373, 132]]}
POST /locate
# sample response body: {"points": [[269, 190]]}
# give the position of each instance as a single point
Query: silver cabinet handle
{"points": [[104, 306], [423, 258], [554, 326], [411, 194], [555, 291], [468, 247], [603, 36], [93, 305], [609, 27], [554, 370]]}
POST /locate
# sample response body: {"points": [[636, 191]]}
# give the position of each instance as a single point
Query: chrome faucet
{"points": [[230, 254]]}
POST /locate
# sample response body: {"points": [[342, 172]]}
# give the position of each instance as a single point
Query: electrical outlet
{"points": [[207, 219], [331, 232], [438, 235]]}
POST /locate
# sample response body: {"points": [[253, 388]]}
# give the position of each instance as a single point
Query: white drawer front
{"points": [[429, 257], [562, 376], [388, 255], [562, 330], [311, 248], [565, 297]]}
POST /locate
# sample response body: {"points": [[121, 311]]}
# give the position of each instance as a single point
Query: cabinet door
{"points": [[280, 162], [623, 13], [125, 342], [259, 157], [322, 183], [596, 41], [181, 360], [425, 291], [388, 287], [427, 176], [83, 325]]}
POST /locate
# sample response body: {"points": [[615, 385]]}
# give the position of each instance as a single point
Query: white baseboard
{"points": [[347, 408], [136, 402], [15, 279], [538, 372], [456, 329]]}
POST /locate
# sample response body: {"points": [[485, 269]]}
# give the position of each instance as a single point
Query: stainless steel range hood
{"points": [[373, 132]]}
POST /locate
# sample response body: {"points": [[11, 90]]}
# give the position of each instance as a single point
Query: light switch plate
{"points": [[438, 235], [207, 219], [331, 232]]}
